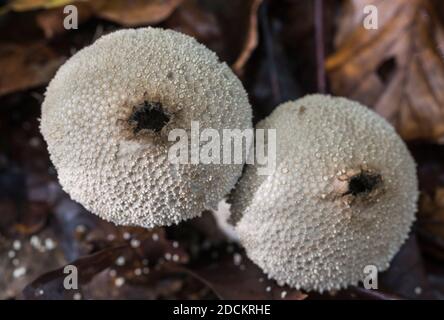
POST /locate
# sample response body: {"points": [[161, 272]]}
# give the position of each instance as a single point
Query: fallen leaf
{"points": [[227, 27], [26, 66], [129, 266], [108, 286], [50, 285], [192, 19], [23, 259], [407, 276], [27, 5], [132, 13], [397, 69], [233, 276], [51, 20]]}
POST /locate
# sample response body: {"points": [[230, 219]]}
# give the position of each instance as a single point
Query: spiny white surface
{"points": [[295, 225], [123, 177]]}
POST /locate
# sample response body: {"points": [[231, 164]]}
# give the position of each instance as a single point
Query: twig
{"points": [[274, 80], [319, 41]]}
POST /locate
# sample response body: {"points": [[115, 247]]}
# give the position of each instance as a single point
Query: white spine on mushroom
{"points": [[343, 195], [106, 154]]}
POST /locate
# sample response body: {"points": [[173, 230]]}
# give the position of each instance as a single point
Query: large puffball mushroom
{"points": [[109, 110], [342, 196]]}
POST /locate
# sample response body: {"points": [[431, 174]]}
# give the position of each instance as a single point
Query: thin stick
{"points": [[319, 41], [269, 51]]}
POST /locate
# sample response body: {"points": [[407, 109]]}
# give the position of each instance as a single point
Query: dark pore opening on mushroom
{"points": [[363, 183], [148, 115]]}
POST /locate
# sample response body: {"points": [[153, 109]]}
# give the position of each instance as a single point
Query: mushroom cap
{"points": [[107, 115], [343, 195]]}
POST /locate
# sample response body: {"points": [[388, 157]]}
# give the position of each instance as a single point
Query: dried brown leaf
{"points": [[132, 13], [227, 27], [407, 276], [398, 69], [27, 5], [51, 20], [233, 277], [26, 66], [50, 285], [21, 264], [102, 277], [203, 25]]}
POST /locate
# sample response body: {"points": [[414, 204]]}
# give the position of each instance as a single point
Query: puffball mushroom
{"points": [[107, 115], [343, 195]]}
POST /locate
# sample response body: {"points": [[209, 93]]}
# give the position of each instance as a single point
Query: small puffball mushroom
{"points": [[109, 110], [343, 195]]}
